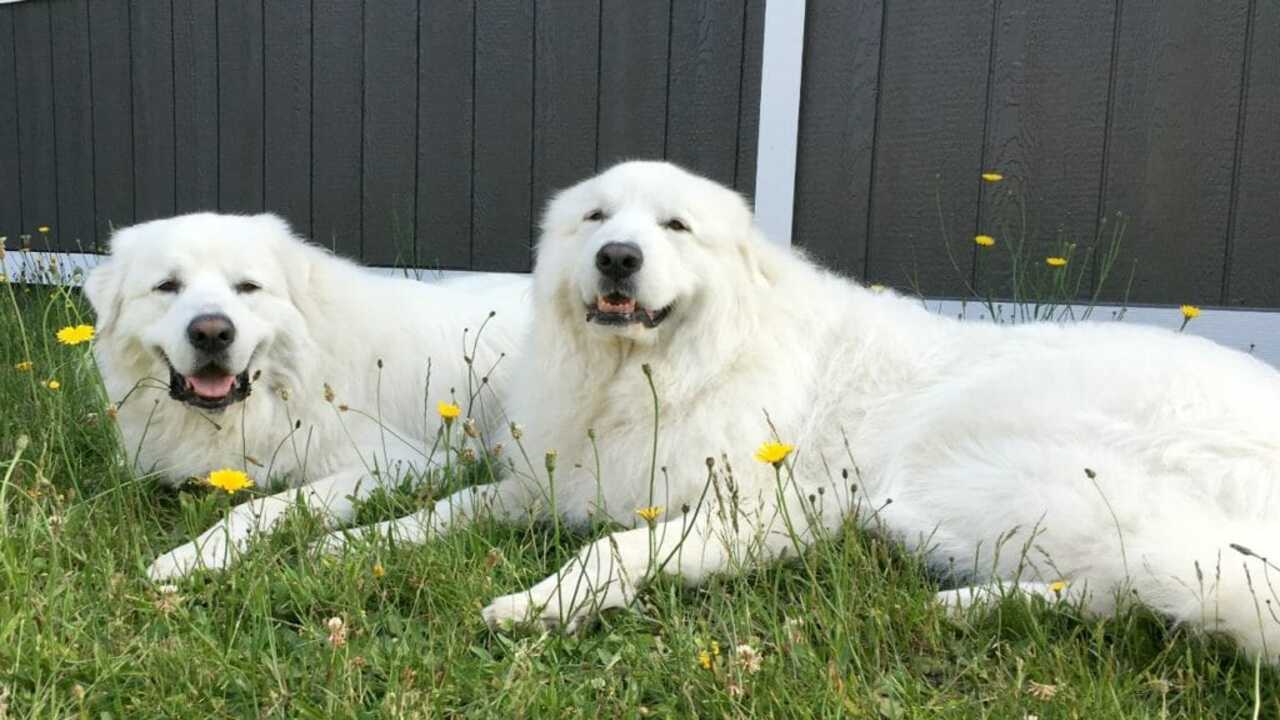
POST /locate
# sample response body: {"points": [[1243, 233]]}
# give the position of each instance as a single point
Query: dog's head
{"points": [[198, 299], [642, 247]]}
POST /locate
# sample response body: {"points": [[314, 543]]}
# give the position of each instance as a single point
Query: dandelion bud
{"points": [[468, 455], [550, 461], [517, 431], [23, 441], [648, 371], [469, 428], [379, 363], [711, 462], [497, 450], [1090, 473], [343, 408], [328, 393]]}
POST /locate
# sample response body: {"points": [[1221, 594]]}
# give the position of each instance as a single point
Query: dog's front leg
{"points": [[332, 499], [609, 572], [508, 500]]}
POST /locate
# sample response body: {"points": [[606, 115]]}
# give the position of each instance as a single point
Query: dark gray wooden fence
{"points": [[432, 131], [1168, 112], [427, 132]]}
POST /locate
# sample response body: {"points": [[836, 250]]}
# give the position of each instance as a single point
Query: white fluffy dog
{"points": [[1088, 461], [230, 343]]}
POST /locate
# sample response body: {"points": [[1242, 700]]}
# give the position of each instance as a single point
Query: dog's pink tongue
{"points": [[211, 387]]}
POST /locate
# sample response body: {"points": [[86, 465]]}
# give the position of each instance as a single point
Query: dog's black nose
{"points": [[619, 260], [211, 333]]}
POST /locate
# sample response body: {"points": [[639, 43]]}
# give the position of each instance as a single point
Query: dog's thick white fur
{"points": [[334, 359], [1115, 460]]}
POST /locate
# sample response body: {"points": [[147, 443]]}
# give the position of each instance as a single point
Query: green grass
{"points": [[849, 633]]}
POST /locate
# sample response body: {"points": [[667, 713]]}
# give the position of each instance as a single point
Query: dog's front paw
{"points": [[186, 559], [530, 608]]}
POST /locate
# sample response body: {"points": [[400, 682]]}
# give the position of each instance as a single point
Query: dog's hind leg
{"points": [[961, 600]]}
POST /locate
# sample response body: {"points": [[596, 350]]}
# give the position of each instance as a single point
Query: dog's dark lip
{"points": [[638, 314], [180, 389]]}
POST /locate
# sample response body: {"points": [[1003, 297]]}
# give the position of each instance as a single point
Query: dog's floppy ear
{"points": [[104, 285], [761, 257], [301, 263]]}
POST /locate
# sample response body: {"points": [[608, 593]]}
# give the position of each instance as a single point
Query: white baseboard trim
{"points": [[1254, 331]]}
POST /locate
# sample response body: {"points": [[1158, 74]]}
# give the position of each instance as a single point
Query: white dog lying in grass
{"points": [[230, 343], [1082, 461]]}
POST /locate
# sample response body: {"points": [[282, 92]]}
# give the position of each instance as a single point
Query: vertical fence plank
{"points": [[504, 136], [38, 164], [195, 104], [445, 134], [287, 132], [10, 181], [1046, 133], [634, 43], [1255, 241], [705, 74], [749, 98], [151, 55], [1173, 127], [936, 60], [109, 42], [567, 48], [240, 107], [337, 74], [390, 128], [73, 118], [838, 95]]}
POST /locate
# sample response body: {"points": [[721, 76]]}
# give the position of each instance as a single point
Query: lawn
{"points": [[849, 631]]}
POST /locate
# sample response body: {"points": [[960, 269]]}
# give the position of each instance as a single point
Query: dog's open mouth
{"points": [[209, 388], [618, 309]]}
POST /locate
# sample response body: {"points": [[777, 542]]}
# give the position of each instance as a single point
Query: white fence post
{"points": [[782, 59]]}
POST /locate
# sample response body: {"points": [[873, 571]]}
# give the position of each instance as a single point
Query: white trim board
{"points": [[782, 59], [1256, 331]]}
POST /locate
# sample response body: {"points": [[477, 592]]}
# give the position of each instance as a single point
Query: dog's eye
{"points": [[169, 286], [676, 224], [595, 216], [247, 286]]}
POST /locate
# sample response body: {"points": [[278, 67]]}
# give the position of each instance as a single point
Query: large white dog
{"points": [[1091, 461], [230, 343]]}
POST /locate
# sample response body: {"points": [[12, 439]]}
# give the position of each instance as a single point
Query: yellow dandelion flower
{"points": [[51, 384], [704, 659], [1055, 261], [24, 366], [1057, 587], [75, 335], [992, 176], [1190, 311], [378, 571], [984, 240], [448, 411], [876, 288], [229, 481], [649, 514], [43, 229], [773, 453]]}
